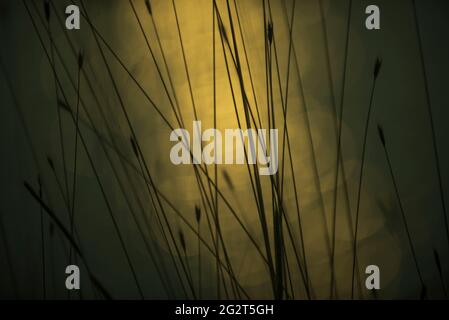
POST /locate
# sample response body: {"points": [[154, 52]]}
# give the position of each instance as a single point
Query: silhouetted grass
{"points": [[67, 235], [282, 252], [376, 71], [431, 121], [398, 197]]}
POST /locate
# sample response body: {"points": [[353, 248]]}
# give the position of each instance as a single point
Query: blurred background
{"points": [[86, 176]]}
